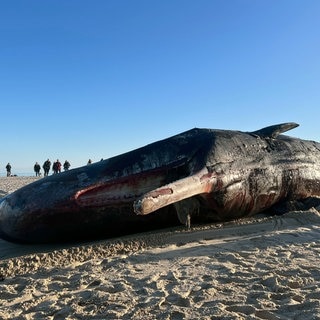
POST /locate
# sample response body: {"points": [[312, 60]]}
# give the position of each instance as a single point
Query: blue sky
{"points": [[93, 79]]}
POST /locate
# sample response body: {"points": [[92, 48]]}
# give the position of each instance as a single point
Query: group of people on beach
{"points": [[56, 167]]}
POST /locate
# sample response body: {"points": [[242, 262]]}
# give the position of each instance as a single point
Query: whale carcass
{"points": [[202, 175]]}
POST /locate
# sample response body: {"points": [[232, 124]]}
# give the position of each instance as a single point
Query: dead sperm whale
{"points": [[202, 174]]}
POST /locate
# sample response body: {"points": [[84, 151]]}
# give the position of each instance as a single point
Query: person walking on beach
{"points": [[56, 166], [8, 167], [37, 169], [46, 167], [66, 165]]}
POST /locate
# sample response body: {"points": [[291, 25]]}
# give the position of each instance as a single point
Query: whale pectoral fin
{"points": [[199, 183], [275, 130]]}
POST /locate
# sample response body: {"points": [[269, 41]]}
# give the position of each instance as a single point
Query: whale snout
{"points": [[27, 221]]}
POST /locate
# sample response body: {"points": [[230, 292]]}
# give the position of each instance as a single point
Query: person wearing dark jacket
{"points": [[37, 169], [66, 165], [8, 167], [56, 166], [46, 167]]}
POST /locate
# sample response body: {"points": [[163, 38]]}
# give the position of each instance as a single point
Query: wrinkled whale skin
{"points": [[202, 174]]}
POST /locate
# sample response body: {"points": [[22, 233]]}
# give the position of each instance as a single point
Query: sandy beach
{"points": [[259, 268]]}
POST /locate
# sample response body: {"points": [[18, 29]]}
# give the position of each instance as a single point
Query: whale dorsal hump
{"points": [[274, 131]]}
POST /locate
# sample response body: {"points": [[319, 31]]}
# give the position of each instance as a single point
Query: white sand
{"points": [[266, 268]]}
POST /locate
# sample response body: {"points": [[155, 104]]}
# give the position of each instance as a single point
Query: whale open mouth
{"points": [[126, 189]]}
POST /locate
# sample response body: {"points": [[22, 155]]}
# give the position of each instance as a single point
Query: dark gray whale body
{"points": [[202, 174]]}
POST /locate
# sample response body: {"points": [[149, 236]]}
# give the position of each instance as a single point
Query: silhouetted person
{"points": [[37, 169], [56, 167], [8, 167], [66, 165], [46, 167]]}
